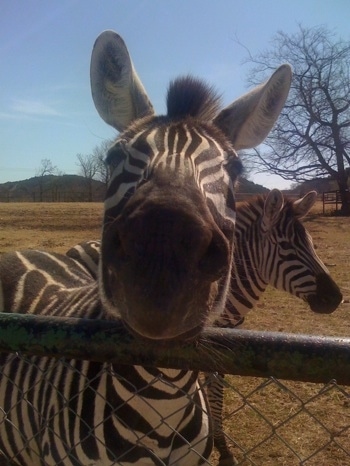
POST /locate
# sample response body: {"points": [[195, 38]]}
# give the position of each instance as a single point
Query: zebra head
{"points": [[291, 262], [168, 230]]}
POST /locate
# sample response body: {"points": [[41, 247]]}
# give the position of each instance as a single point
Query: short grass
{"points": [[268, 418], [48, 226]]}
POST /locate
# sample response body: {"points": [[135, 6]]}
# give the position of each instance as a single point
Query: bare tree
{"points": [[46, 168], [57, 184], [312, 136], [92, 166], [99, 152], [88, 169]]}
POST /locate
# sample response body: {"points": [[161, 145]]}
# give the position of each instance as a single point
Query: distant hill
{"points": [[52, 188], [248, 187], [75, 188]]}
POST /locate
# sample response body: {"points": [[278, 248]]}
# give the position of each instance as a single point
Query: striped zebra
{"points": [[166, 253], [272, 247]]}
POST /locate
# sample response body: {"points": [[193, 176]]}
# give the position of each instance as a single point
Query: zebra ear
{"points": [[117, 91], [302, 206], [274, 203], [248, 120]]}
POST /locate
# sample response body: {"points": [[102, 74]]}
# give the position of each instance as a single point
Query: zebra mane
{"points": [[256, 204], [189, 96]]}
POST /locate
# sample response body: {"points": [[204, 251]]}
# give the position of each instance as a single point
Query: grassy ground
{"points": [[283, 416], [48, 226]]}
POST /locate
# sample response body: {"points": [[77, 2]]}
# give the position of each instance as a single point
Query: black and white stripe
{"points": [[166, 257]]}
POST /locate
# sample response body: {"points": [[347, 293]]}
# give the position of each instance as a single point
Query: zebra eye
{"points": [[145, 174], [116, 154], [234, 167]]}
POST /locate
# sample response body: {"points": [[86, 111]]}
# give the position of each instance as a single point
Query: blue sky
{"points": [[46, 110]]}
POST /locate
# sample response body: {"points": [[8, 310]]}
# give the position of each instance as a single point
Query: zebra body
{"points": [[164, 271]]}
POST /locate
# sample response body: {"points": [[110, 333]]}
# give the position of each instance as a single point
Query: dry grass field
{"points": [[58, 226], [48, 226], [311, 410]]}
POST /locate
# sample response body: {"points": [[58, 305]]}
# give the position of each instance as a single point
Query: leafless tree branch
{"points": [[312, 136]]}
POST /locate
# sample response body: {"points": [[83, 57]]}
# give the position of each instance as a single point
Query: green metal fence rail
{"points": [[316, 359]]}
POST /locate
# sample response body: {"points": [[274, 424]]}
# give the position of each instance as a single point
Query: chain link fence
{"points": [[267, 420], [271, 422]]}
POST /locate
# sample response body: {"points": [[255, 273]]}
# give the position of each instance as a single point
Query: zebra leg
{"points": [[215, 394]]}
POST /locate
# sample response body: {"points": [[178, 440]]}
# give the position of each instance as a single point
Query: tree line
{"points": [[90, 166]]}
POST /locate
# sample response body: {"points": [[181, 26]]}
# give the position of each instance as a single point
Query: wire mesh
{"points": [[274, 422], [265, 421]]}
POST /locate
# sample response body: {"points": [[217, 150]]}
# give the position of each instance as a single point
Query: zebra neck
{"points": [[80, 302], [247, 282]]}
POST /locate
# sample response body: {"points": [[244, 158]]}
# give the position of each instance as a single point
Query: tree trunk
{"points": [[345, 198], [90, 190]]}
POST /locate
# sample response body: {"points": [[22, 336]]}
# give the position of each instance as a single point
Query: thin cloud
{"points": [[13, 116], [8, 116], [33, 108], [67, 87]]}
